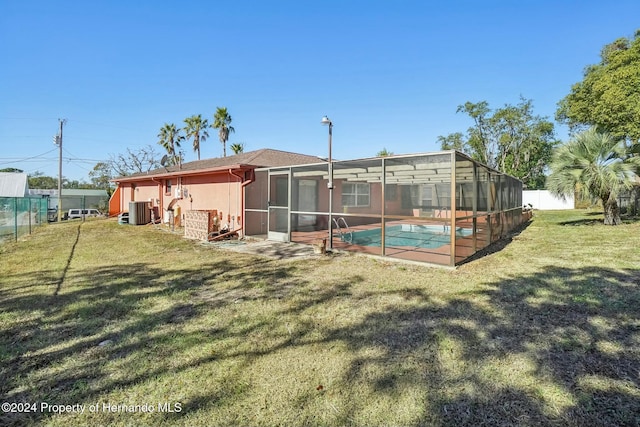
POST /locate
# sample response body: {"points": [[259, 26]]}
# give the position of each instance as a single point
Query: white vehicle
{"points": [[80, 213]]}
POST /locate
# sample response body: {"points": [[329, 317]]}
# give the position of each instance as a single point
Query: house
{"points": [[203, 185], [438, 208], [13, 184]]}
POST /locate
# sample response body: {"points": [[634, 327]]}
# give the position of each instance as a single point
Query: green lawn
{"points": [[543, 332]]}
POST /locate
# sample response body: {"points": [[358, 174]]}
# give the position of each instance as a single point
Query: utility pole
{"points": [[58, 142]]}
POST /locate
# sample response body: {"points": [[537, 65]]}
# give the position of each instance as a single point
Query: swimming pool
{"points": [[412, 235]]}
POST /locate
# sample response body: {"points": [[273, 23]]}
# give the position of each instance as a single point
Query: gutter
{"points": [[160, 200], [193, 172]]}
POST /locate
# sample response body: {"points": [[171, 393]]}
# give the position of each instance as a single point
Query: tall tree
{"points": [[196, 128], [237, 147], [39, 180], [75, 184], [609, 94], [599, 164], [101, 176], [139, 160], [222, 122], [170, 138], [511, 139]]}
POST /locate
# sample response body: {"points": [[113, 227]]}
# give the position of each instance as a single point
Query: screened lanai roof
{"points": [[411, 169]]}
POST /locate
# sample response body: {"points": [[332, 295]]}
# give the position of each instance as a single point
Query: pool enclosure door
{"points": [[279, 194]]}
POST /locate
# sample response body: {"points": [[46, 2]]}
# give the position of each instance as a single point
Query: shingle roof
{"points": [[265, 157]]}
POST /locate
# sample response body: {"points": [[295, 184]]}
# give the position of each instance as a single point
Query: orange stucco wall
{"points": [[221, 192]]}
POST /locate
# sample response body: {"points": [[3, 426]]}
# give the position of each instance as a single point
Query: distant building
{"points": [[13, 184], [73, 198]]}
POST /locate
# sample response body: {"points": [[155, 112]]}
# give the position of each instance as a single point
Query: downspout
{"points": [[122, 199], [243, 185], [160, 200]]}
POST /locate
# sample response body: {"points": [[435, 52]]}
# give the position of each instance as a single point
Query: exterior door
{"points": [[279, 195]]}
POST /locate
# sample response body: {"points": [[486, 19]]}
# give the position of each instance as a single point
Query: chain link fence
{"points": [[19, 216]]}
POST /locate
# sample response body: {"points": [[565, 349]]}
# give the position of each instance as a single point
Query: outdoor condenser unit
{"points": [[139, 213]]}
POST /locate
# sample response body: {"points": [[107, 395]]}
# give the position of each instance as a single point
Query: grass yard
{"points": [[141, 327]]}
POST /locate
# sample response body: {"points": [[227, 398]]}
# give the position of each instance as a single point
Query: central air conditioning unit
{"points": [[139, 213]]}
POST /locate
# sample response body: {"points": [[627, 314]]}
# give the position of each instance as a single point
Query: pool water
{"points": [[417, 236]]}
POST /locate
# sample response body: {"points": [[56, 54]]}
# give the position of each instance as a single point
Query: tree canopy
{"points": [[140, 160], [38, 180], [237, 147], [101, 176], [609, 94], [222, 121], [597, 163], [511, 139], [196, 129], [170, 138]]}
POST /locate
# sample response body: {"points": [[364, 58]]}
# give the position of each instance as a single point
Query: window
{"points": [[167, 191], [355, 194], [443, 195], [426, 201]]}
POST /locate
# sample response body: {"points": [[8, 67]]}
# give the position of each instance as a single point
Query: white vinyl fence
{"points": [[544, 200]]}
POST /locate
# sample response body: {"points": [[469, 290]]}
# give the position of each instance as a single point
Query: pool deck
{"points": [[440, 255]]}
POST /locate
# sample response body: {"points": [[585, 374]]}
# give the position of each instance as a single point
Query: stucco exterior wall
{"points": [[145, 191], [221, 192]]}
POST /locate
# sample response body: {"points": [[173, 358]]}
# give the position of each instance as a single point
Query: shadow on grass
{"points": [[555, 348], [582, 222], [626, 219], [558, 347], [92, 316], [66, 267], [498, 245]]}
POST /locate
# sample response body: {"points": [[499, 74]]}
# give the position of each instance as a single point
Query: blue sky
{"points": [[388, 74]]}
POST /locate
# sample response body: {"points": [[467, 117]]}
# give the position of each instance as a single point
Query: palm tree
{"points": [[222, 122], [170, 138], [237, 147], [196, 128], [599, 164], [384, 153]]}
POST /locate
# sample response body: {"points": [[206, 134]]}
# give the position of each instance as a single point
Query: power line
{"points": [[27, 118], [29, 158], [74, 157], [7, 160]]}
